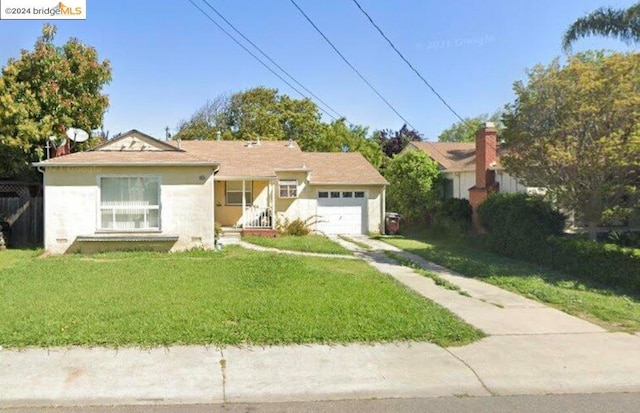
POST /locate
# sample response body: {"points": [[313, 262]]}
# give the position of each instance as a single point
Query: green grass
{"points": [[12, 257], [613, 310], [355, 242], [308, 243], [236, 296], [429, 274]]}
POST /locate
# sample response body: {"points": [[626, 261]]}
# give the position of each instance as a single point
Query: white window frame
{"points": [[290, 186], [115, 208], [248, 189], [340, 193]]}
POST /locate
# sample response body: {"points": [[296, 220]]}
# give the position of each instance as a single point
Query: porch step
{"points": [[231, 233]]}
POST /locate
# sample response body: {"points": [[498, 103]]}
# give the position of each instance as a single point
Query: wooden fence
{"points": [[21, 206]]}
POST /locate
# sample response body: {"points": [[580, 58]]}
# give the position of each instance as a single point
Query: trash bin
{"points": [[392, 223]]}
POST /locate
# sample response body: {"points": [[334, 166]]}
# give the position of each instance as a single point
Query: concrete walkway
{"points": [[238, 241], [531, 349], [489, 308]]}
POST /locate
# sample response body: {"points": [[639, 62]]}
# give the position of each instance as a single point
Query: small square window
{"points": [[288, 188], [347, 194], [335, 194], [359, 194], [323, 194]]}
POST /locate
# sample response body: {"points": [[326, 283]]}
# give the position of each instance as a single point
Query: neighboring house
{"points": [[136, 189], [458, 164]]}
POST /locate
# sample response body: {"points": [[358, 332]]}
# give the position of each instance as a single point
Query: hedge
{"points": [[518, 224], [451, 219], [527, 228], [606, 264]]}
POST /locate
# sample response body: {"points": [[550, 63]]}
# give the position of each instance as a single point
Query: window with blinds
{"points": [[130, 203]]}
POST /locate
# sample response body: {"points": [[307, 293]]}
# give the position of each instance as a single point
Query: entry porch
{"points": [[247, 205]]}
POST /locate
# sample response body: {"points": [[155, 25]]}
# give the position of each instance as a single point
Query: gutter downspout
{"points": [[383, 211], [244, 206]]}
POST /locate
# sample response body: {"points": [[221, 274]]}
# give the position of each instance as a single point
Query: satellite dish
{"points": [[77, 135]]}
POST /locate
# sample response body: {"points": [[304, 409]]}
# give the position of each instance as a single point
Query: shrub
{"points": [[625, 239], [605, 264], [413, 179], [452, 218], [217, 230], [518, 225], [297, 227]]}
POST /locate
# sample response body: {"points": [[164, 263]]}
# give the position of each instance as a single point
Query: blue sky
{"points": [[168, 59]]}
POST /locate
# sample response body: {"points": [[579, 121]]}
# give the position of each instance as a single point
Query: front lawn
{"points": [[308, 243], [611, 309], [230, 297]]}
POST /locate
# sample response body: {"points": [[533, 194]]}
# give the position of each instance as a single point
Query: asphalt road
{"points": [[587, 403]]}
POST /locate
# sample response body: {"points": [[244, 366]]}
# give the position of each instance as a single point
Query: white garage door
{"points": [[342, 212]]}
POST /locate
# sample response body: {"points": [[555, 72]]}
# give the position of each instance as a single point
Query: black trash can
{"points": [[392, 223]]}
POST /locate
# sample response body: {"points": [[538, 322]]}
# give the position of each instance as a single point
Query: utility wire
{"points": [[254, 56], [270, 59], [350, 65], [408, 63]]}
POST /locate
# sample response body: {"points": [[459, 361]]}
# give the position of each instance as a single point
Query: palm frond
{"points": [[623, 24]]}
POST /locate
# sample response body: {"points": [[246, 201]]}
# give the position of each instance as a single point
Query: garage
{"points": [[342, 212]]}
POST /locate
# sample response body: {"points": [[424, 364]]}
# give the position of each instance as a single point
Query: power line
{"points": [[408, 63], [350, 65], [254, 56], [270, 59]]}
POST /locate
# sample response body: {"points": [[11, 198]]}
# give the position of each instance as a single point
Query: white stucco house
{"points": [[457, 163], [139, 191]]}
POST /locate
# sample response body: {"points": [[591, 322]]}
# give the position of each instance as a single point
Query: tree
{"points": [[254, 113], [620, 23], [466, 131], [44, 92], [393, 142], [576, 131], [207, 122], [337, 136], [262, 112], [413, 189]]}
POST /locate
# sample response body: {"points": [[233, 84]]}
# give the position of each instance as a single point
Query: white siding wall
{"points": [[71, 204], [509, 184]]}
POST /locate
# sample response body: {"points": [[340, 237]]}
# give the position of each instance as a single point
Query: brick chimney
{"points": [[486, 157]]}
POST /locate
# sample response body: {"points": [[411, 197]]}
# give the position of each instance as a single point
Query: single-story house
{"points": [[137, 189], [460, 162]]}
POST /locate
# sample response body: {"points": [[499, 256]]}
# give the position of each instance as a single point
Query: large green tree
{"points": [[264, 113], [465, 131], [259, 112], [606, 21], [575, 129], [413, 189], [337, 136], [207, 122], [45, 91]]}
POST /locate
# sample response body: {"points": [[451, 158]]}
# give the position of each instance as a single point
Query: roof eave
{"points": [[349, 183], [46, 164]]}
